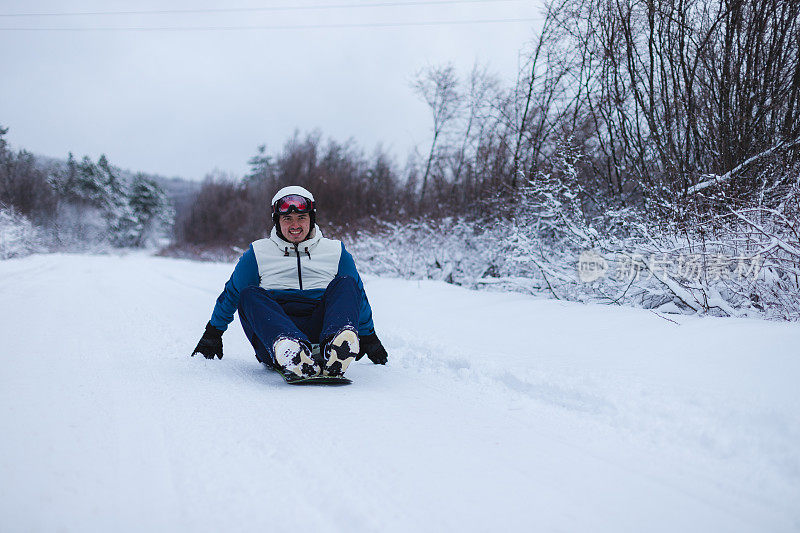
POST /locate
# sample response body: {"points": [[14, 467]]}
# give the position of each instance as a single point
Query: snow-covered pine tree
{"points": [[150, 208], [103, 204]]}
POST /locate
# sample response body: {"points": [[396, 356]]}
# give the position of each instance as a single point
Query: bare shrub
{"points": [[217, 216]]}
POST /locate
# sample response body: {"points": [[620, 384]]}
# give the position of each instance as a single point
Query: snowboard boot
{"points": [[339, 352], [294, 357]]}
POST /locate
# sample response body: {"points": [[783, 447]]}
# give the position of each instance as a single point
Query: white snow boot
{"points": [[340, 351], [295, 357]]}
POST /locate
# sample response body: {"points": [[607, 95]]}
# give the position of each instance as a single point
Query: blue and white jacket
{"points": [[296, 278]]}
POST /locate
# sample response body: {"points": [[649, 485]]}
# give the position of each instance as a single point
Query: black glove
{"points": [[374, 350], [210, 344]]}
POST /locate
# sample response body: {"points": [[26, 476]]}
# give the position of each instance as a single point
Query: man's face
{"points": [[295, 226]]}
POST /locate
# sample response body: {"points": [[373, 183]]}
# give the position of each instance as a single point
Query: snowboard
{"points": [[294, 379]]}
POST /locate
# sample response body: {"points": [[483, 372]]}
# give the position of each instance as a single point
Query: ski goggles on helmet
{"points": [[293, 202]]}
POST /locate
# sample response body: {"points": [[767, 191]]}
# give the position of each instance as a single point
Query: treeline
{"points": [[351, 189], [80, 203], [682, 110], [657, 101], [666, 98]]}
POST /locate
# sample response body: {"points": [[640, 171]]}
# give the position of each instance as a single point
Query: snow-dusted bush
{"points": [[451, 250], [733, 274], [78, 227], [18, 236], [746, 263]]}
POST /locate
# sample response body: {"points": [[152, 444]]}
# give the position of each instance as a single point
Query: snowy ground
{"points": [[496, 411]]}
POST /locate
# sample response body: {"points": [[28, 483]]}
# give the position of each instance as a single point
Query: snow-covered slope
{"points": [[496, 411]]}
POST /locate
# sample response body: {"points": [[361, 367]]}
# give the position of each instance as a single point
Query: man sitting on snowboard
{"points": [[293, 289]]}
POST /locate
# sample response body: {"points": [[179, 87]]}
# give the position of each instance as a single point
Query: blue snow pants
{"points": [[264, 320]]}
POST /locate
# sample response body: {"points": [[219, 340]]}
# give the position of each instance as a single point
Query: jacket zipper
{"points": [[299, 272]]}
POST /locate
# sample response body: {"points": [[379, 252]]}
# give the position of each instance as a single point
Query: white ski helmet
{"points": [[289, 191]]}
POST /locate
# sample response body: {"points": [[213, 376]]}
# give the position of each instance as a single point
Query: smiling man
{"points": [[293, 289]]}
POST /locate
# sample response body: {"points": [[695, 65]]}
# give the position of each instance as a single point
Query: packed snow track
{"points": [[496, 411]]}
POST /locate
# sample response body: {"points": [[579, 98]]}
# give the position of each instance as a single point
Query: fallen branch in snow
{"points": [[665, 318], [775, 240], [680, 292], [716, 180]]}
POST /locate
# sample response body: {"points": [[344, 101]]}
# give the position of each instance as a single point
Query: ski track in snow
{"points": [[496, 411]]}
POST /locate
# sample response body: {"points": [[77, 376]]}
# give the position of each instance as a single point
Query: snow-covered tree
{"points": [[130, 212], [150, 208]]}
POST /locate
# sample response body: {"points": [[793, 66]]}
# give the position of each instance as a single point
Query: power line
{"points": [[283, 27], [413, 3]]}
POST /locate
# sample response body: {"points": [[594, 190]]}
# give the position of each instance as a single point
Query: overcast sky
{"points": [[184, 103]]}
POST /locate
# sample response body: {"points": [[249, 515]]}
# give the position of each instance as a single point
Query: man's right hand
{"points": [[210, 344]]}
